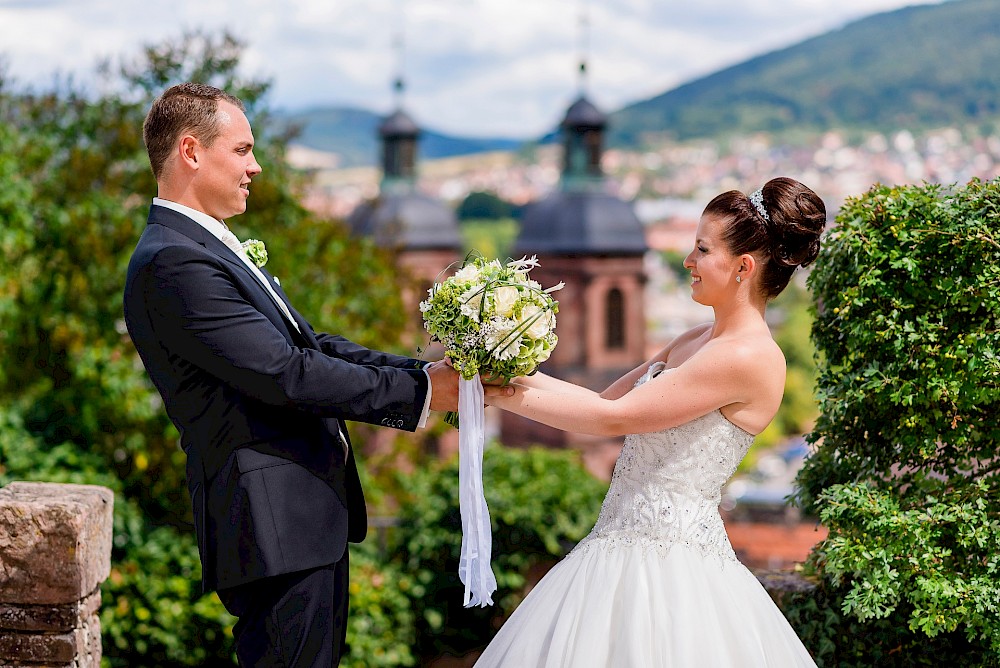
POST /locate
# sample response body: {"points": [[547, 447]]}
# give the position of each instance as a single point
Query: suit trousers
{"points": [[295, 620]]}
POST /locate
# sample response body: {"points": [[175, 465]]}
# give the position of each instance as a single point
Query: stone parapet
{"points": [[55, 551], [784, 583]]}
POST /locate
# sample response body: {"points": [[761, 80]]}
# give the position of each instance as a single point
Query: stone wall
{"points": [[784, 583], [55, 551]]}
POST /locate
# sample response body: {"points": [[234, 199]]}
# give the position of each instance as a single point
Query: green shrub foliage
{"points": [[907, 330], [152, 610], [381, 630], [75, 196], [541, 502]]}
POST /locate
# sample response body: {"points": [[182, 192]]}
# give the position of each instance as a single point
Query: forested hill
{"points": [[353, 135], [921, 66]]}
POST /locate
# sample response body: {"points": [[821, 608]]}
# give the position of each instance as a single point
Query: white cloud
{"points": [[472, 66]]}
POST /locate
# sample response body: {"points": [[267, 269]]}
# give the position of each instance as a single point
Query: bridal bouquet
{"points": [[495, 321], [492, 319]]}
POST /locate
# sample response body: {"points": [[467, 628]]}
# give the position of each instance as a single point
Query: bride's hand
{"points": [[491, 391]]}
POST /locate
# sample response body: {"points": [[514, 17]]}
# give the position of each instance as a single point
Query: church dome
{"points": [[398, 124], [581, 218], [580, 222], [582, 114], [407, 220]]}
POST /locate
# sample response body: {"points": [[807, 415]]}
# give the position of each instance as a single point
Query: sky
{"points": [[499, 68]]}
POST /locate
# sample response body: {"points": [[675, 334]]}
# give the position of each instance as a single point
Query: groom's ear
{"points": [[187, 150]]}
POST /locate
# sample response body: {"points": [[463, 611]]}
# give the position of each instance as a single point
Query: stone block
{"points": [[79, 648], [48, 618], [55, 542], [784, 583]]}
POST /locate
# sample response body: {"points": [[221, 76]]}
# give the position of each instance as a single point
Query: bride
{"points": [[656, 582]]}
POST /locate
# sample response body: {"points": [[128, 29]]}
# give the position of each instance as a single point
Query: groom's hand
{"points": [[444, 386]]}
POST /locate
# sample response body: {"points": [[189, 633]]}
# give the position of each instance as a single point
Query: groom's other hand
{"points": [[444, 386]]}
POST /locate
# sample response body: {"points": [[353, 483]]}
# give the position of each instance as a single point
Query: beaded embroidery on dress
{"points": [[656, 582]]}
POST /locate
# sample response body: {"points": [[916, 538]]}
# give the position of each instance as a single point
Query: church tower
{"points": [[592, 240], [401, 217], [422, 230]]}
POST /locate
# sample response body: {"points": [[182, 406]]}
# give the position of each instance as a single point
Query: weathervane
{"points": [[584, 43], [398, 83]]}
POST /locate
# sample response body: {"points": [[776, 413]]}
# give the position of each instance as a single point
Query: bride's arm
{"points": [[709, 380], [620, 387], [540, 381]]}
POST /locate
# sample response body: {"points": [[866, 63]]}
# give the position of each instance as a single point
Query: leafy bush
{"points": [[541, 502], [380, 628], [909, 333], [153, 612], [490, 238], [907, 329], [915, 559], [76, 191], [840, 640]]}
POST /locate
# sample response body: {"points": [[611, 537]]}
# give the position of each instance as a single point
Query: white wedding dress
{"points": [[656, 582]]}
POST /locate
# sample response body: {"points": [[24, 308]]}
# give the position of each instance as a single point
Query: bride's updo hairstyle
{"points": [[781, 229]]}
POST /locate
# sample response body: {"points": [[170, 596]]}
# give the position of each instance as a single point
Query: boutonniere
{"points": [[256, 251]]}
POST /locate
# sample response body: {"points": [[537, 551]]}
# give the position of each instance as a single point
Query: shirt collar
{"points": [[216, 227]]}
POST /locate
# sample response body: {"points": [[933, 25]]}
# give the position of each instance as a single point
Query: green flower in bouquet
{"points": [[493, 319]]}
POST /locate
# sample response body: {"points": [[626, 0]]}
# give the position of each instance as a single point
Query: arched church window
{"points": [[615, 319]]}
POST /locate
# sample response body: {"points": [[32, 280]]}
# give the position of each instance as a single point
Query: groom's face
{"points": [[226, 167]]}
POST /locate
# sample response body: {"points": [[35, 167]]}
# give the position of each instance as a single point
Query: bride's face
{"points": [[713, 267]]}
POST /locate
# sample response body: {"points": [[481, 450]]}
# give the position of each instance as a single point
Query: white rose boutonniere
{"points": [[255, 250]]}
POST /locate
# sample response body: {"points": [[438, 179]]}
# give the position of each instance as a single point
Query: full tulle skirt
{"points": [[633, 606]]}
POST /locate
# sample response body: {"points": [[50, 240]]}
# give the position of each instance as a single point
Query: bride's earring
{"points": [[739, 278]]}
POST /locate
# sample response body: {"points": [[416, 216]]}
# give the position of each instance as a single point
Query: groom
{"points": [[259, 398]]}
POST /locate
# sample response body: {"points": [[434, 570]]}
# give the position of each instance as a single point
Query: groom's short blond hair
{"points": [[187, 108]]}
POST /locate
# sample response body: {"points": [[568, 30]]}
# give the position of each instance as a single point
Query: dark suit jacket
{"points": [[258, 404]]}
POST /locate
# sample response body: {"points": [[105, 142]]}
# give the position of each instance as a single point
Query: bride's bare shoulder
{"points": [[693, 334], [682, 346], [751, 353]]}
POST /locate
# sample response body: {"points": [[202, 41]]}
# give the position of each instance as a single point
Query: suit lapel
{"points": [[180, 223], [232, 258], [304, 327]]}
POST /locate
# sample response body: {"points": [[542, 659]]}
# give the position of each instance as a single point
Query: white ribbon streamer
{"points": [[477, 539]]}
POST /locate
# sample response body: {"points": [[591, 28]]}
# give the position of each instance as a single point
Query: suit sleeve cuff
{"points": [[422, 422]]}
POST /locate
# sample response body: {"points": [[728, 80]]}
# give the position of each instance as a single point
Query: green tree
{"points": [[487, 225], [76, 193], [490, 238], [907, 327], [481, 205]]}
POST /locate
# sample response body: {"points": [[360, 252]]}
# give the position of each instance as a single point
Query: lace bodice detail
{"points": [[667, 486]]}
